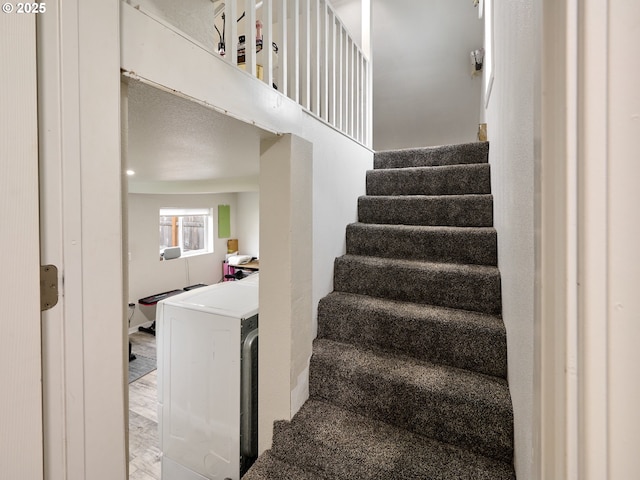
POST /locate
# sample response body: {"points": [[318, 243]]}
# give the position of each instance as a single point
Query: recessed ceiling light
{"points": [[130, 172]]}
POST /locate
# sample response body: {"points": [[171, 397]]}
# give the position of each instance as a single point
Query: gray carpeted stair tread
{"points": [[463, 287], [455, 406], [477, 152], [471, 245], [436, 210], [440, 180], [459, 338], [268, 467], [348, 446]]}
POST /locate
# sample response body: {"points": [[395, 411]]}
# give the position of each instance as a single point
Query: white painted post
{"points": [[295, 94], [352, 85], [357, 96], [325, 60], [361, 97], [250, 36], [317, 66], [283, 60], [231, 17], [344, 78], [305, 54], [369, 102], [267, 41], [345, 75], [334, 65], [340, 74]]}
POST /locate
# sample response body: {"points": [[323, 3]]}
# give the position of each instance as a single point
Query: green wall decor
{"points": [[224, 221]]}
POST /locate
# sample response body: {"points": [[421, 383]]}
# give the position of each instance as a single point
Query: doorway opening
{"points": [[192, 179]]}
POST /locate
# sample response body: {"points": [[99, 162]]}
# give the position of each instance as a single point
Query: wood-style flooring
{"points": [[144, 451]]}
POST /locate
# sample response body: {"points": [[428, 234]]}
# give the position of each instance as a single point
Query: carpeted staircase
{"points": [[408, 374]]}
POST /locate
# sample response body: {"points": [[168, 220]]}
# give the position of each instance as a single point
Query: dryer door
{"points": [[199, 364]]}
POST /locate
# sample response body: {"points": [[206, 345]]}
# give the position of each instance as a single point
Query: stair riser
{"points": [[446, 288], [458, 344], [481, 428], [455, 180], [462, 211], [470, 247], [445, 155]]}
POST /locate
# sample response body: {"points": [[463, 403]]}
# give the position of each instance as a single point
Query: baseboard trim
{"points": [[135, 329]]}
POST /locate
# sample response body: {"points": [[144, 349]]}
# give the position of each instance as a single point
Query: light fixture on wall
{"points": [[477, 61]]}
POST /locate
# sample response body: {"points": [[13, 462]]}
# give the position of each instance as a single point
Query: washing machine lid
{"points": [[237, 299]]}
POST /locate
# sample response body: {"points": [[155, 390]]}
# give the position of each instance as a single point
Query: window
{"points": [[191, 229]]}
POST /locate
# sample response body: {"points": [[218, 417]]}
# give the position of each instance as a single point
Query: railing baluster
{"points": [[340, 75], [325, 61], [305, 54], [345, 79], [347, 97], [357, 90], [361, 99], [354, 53], [283, 52], [349, 80], [250, 36], [296, 52], [367, 101], [231, 14], [317, 70], [267, 42], [333, 78]]}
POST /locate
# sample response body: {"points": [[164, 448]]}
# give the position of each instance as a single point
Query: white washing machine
{"points": [[207, 381]]}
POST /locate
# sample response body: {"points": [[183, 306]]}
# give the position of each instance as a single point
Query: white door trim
{"points": [[20, 359], [587, 322], [83, 339], [556, 319]]}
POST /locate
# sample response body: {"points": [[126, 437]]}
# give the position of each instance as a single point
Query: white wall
{"points": [[248, 223], [423, 93], [510, 119], [350, 12], [193, 17], [147, 274]]}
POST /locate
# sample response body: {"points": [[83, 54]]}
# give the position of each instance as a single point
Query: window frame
{"points": [[180, 213]]}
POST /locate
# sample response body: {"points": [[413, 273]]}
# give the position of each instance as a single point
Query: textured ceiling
{"points": [[170, 138]]}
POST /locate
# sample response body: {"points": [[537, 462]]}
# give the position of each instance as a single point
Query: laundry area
{"points": [[197, 414], [193, 216]]}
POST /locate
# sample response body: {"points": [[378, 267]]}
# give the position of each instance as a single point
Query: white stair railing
{"points": [[305, 51]]}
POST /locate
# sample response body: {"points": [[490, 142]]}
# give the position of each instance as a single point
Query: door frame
{"points": [[20, 358], [84, 353], [586, 421]]}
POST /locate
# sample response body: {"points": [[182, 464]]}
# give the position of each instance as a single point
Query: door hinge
{"points": [[48, 287]]}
